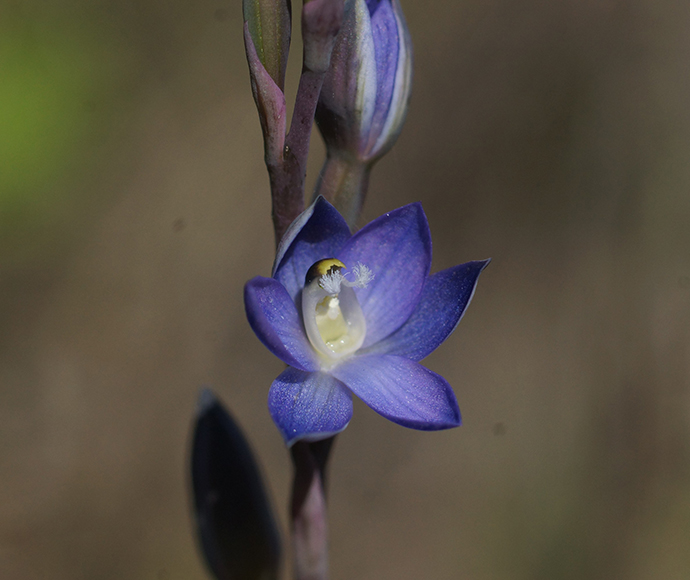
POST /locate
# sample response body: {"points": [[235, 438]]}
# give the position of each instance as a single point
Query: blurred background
{"points": [[551, 136]]}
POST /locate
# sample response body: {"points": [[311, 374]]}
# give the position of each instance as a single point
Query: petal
{"points": [[274, 318], [397, 249], [401, 390], [445, 298], [317, 233], [309, 406]]}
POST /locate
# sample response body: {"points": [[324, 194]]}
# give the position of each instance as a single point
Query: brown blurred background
{"points": [[551, 136]]}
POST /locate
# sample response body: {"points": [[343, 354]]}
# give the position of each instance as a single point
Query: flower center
{"points": [[332, 315]]}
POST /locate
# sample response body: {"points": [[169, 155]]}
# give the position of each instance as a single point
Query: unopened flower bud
{"points": [[364, 98], [269, 27]]}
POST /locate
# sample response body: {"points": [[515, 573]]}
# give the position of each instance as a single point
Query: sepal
{"points": [[309, 406]]}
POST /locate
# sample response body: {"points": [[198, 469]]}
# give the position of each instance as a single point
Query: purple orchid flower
{"points": [[353, 314]]}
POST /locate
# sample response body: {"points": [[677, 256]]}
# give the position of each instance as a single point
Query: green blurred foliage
{"points": [[55, 78]]}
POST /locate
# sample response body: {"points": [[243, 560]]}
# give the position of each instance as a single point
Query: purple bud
{"points": [[365, 95]]}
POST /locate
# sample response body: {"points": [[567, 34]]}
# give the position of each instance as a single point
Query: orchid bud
{"points": [[365, 94], [269, 25], [235, 522]]}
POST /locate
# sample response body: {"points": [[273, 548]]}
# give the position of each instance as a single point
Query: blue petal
{"points": [[309, 406], [445, 298], [401, 390], [397, 248], [274, 318], [318, 233]]}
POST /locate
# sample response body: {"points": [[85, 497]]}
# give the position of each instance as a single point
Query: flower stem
{"points": [[308, 510], [343, 181], [321, 20], [287, 177]]}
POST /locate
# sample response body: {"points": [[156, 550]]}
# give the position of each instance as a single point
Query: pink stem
{"points": [[308, 510]]}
